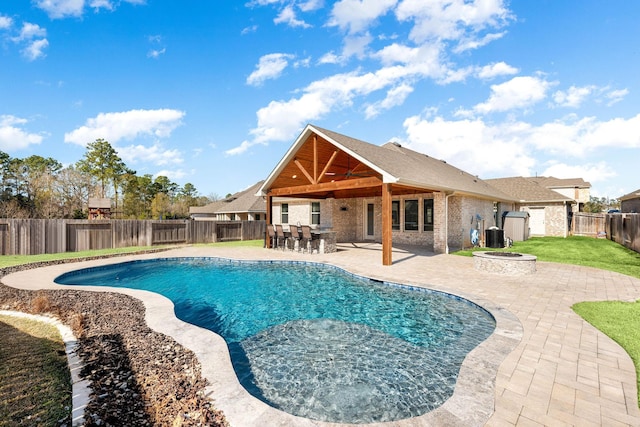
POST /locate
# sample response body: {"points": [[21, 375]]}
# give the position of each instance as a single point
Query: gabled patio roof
{"points": [[322, 163]]}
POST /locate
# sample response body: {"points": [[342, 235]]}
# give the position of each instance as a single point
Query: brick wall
{"points": [[347, 218]]}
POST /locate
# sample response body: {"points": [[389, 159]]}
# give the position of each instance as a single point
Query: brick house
{"points": [[630, 203], [549, 201], [385, 194], [241, 206]]}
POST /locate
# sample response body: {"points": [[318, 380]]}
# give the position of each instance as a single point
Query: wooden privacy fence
{"points": [[588, 224], [624, 229], [48, 236]]}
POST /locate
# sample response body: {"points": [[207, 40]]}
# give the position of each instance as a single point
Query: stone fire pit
{"points": [[507, 263]]}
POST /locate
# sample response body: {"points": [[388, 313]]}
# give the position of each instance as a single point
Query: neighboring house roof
{"points": [[397, 165], [631, 196], [553, 182], [527, 190], [99, 203], [240, 202]]}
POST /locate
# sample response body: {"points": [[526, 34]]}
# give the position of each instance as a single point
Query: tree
{"points": [[40, 176], [187, 197], [599, 205], [74, 188], [160, 206], [138, 194], [103, 163]]}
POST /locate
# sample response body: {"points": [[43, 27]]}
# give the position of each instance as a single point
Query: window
{"points": [[395, 214], [411, 215], [315, 213], [284, 213], [257, 217], [428, 214]]}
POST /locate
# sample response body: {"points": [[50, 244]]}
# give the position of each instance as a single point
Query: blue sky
{"points": [[215, 92]]}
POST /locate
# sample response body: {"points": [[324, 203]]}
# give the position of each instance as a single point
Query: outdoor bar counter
{"points": [[327, 243]]}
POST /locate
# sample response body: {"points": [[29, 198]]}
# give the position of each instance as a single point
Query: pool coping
{"points": [[472, 402]]}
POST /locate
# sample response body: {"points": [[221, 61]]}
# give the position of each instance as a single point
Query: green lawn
{"points": [[620, 321], [35, 383], [13, 260], [599, 253]]}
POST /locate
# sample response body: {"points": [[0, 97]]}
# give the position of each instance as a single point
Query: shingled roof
{"points": [[630, 196], [553, 182], [240, 202], [399, 165], [525, 189]]}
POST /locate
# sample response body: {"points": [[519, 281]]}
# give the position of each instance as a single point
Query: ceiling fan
{"points": [[350, 172]]}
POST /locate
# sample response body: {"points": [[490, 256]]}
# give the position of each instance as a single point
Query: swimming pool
{"points": [[313, 340]]}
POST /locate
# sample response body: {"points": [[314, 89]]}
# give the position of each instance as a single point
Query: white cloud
{"points": [[395, 96], [101, 4], [288, 16], [5, 22], [30, 31], [496, 69], [13, 137], [156, 154], [310, 5], [573, 97], [242, 148], [616, 96], [519, 92], [35, 49], [302, 63], [57, 9], [469, 43], [352, 46], [126, 125], [270, 66], [329, 58], [173, 175], [156, 53], [580, 137], [280, 120], [61, 8], [471, 145], [249, 30], [33, 41], [590, 172], [510, 148], [451, 19], [355, 16]]}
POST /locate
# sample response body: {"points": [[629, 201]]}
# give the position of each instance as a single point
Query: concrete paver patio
{"points": [[544, 366]]}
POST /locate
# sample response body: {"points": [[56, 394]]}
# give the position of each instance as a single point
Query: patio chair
{"points": [[295, 238], [280, 237], [307, 239]]}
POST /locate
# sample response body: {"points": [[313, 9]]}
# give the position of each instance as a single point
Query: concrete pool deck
{"points": [[543, 366]]}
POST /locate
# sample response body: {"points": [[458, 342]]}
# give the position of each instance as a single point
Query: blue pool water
{"points": [[313, 340]]}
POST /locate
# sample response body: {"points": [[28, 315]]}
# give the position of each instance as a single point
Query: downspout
{"points": [[566, 218], [446, 222]]}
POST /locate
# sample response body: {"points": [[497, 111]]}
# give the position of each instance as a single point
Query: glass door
{"points": [[370, 223]]}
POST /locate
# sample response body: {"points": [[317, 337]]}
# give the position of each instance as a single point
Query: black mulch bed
{"points": [[139, 377]]}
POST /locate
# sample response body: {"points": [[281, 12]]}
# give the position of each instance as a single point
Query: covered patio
{"points": [[322, 164]]}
